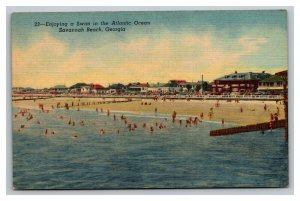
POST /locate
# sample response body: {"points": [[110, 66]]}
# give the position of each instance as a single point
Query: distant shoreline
{"points": [[17, 97]]}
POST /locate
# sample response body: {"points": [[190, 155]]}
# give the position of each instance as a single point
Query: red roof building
{"points": [[241, 83], [96, 86], [180, 81], [282, 73]]}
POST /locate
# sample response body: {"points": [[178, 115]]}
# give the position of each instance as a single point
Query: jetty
{"points": [[249, 128], [72, 104]]}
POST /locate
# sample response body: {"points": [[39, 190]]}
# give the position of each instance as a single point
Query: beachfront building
{"points": [[58, 89], [159, 88], [238, 83], [176, 86], [96, 88], [111, 91], [79, 88], [271, 85], [117, 88], [182, 86], [204, 87], [283, 75], [24, 90], [85, 89], [138, 87], [191, 86], [17, 90]]}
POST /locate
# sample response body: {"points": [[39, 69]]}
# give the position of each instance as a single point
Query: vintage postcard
{"points": [[149, 99]]}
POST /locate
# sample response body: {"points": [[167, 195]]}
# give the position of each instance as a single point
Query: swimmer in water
{"points": [[174, 116], [81, 123], [161, 126], [195, 122], [75, 136], [151, 129]]}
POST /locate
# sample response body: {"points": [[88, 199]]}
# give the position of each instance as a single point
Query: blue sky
{"points": [[176, 45]]}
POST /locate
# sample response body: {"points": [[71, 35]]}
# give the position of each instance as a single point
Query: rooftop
{"points": [[178, 81], [117, 86], [273, 78], [245, 76], [96, 86], [158, 85], [138, 84], [78, 85], [282, 73], [60, 87]]}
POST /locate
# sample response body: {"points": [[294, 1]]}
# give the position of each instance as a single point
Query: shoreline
{"points": [[240, 113], [136, 114]]}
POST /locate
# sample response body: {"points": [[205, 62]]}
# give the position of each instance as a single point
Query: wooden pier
{"points": [[249, 128]]}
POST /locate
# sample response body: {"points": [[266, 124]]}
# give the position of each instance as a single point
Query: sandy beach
{"points": [[243, 112]]}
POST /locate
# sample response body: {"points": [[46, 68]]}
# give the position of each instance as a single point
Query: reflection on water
{"points": [[81, 156]]}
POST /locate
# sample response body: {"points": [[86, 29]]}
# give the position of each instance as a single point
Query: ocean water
{"points": [[172, 157]]}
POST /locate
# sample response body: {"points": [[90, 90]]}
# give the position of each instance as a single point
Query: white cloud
{"points": [[50, 61], [251, 45]]}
